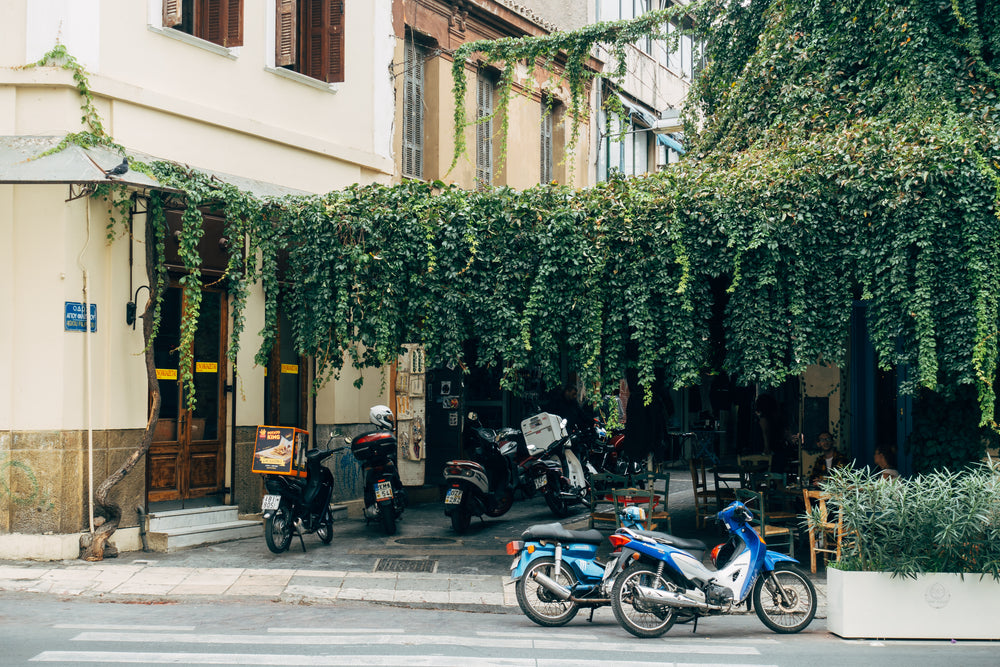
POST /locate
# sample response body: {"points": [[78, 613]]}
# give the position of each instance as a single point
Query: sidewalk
{"points": [[425, 565]]}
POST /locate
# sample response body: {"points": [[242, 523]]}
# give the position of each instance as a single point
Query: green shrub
{"points": [[937, 522]]}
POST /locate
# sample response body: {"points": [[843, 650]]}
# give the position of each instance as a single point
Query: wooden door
{"points": [[187, 457]]}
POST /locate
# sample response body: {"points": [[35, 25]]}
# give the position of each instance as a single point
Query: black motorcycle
{"points": [[482, 484], [299, 504], [385, 497]]}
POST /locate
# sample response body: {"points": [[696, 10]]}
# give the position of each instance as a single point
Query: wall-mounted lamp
{"points": [[130, 306]]}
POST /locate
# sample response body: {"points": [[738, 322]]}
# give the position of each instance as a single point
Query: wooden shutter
{"points": [[285, 35], [172, 13], [413, 111], [234, 23], [324, 40], [335, 55], [546, 140], [223, 22], [484, 132]]}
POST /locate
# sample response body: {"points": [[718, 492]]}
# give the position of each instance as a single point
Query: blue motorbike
{"points": [[557, 572], [666, 584]]}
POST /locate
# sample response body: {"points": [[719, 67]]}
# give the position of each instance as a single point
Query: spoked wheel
{"points": [[460, 520], [785, 599], [640, 618], [387, 517], [278, 530], [537, 602], [325, 530]]}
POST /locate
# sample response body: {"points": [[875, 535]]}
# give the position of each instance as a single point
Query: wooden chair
{"points": [[658, 515], [704, 498], [773, 536], [755, 470], [602, 509], [646, 498], [830, 532]]}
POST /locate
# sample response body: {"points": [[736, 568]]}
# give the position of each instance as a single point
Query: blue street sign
{"points": [[75, 318]]}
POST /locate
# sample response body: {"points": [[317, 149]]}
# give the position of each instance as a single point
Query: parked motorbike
{"points": [[557, 572], [568, 482], [530, 468], [384, 495], [666, 581], [299, 504], [483, 484]]}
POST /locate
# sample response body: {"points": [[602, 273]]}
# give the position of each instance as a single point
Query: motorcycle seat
{"points": [[673, 540], [554, 532]]}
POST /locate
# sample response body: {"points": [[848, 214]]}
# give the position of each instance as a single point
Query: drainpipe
{"points": [[87, 373]]}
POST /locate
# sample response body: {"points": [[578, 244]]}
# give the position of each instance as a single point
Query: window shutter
{"points": [[215, 27], [171, 13], [284, 39], [233, 35], [335, 50], [546, 141], [413, 111], [484, 133]]}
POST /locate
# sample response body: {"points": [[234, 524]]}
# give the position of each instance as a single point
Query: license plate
{"points": [[383, 491], [541, 481], [454, 497], [270, 502]]}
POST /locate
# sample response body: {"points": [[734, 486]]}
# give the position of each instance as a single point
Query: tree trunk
{"points": [[95, 547]]}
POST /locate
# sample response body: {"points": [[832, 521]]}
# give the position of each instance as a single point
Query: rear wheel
{"points": [[639, 618], [554, 498], [278, 530], [537, 602], [460, 519], [785, 599], [325, 530], [387, 517], [504, 503]]}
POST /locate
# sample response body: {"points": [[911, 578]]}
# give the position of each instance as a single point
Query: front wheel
{"points": [[278, 530], [554, 498], [325, 530], [637, 617], [537, 602], [387, 517], [785, 599]]}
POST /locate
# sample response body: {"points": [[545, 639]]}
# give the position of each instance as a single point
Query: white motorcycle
{"points": [[568, 482]]}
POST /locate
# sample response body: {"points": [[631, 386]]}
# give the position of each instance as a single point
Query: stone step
{"points": [[189, 518], [172, 539]]}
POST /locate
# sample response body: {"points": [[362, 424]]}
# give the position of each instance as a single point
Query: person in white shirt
{"points": [[885, 459]]}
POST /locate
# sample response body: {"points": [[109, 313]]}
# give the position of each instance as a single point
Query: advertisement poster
{"points": [[280, 450]]}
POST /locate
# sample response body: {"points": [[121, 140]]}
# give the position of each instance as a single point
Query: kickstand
{"points": [[592, 610], [302, 541], [694, 629]]}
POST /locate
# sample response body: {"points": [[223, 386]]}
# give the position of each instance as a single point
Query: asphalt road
{"points": [[36, 629]]}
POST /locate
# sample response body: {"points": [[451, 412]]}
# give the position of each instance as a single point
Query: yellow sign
{"points": [[292, 369], [166, 373], [206, 367]]}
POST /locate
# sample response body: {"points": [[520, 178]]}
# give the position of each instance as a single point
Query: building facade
{"points": [[275, 96]]}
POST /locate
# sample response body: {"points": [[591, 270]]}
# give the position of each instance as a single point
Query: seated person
{"points": [[885, 459], [829, 459]]}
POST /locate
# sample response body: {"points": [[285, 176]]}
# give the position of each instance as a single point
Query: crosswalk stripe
{"points": [[109, 657], [94, 626], [419, 640], [336, 631], [536, 634]]}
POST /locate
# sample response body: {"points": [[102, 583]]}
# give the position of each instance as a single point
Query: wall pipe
{"points": [[87, 375]]}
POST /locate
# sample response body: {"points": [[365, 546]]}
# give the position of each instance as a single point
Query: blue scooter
{"points": [[666, 583], [557, 571]]}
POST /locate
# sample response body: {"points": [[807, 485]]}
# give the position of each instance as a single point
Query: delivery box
{"points": [[280, 450]]}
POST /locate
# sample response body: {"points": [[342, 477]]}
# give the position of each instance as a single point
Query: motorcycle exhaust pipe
{"points": [[669, 598], [552, 586]]}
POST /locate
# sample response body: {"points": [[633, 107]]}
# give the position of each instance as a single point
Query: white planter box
{"points": [[932, 606]]}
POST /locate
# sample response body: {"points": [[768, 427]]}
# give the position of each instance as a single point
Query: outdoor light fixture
{"points": [[130, 306]]}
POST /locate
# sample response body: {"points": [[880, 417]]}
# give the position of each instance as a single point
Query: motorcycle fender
{"points": [[524, 559], [771, 558]]}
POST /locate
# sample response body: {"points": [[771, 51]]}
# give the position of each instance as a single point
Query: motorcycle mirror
{"points": [[347, 440], [563, 423], [473, 416]]}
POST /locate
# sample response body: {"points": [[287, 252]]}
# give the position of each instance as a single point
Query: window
{"points": [[484, 131], [309, 38], [217, 21], [627, 148], [413, 110], [548, 110]]}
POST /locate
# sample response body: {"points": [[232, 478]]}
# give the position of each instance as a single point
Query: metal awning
{"points": [[670, 142], [646, 116], [22, 161]]}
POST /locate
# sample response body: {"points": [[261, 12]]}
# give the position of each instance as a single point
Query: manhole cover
{"points": [[425, 541], [405, 565]]}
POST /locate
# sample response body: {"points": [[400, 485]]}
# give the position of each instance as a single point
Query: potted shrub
{"points": [[920, 557]]}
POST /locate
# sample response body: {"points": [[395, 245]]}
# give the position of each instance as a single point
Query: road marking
{"points": [[337, 660], [333, 631], [419, 640], [537, 633], [153, 628]]}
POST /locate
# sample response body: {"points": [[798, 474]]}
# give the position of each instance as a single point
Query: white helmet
{"points": [[381, 416]]}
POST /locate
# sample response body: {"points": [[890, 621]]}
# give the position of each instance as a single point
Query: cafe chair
{"points": [[658, 515], [773, 536], [704, 498], [646, 498], [825, 535], [602, 507], [755, 470]]}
